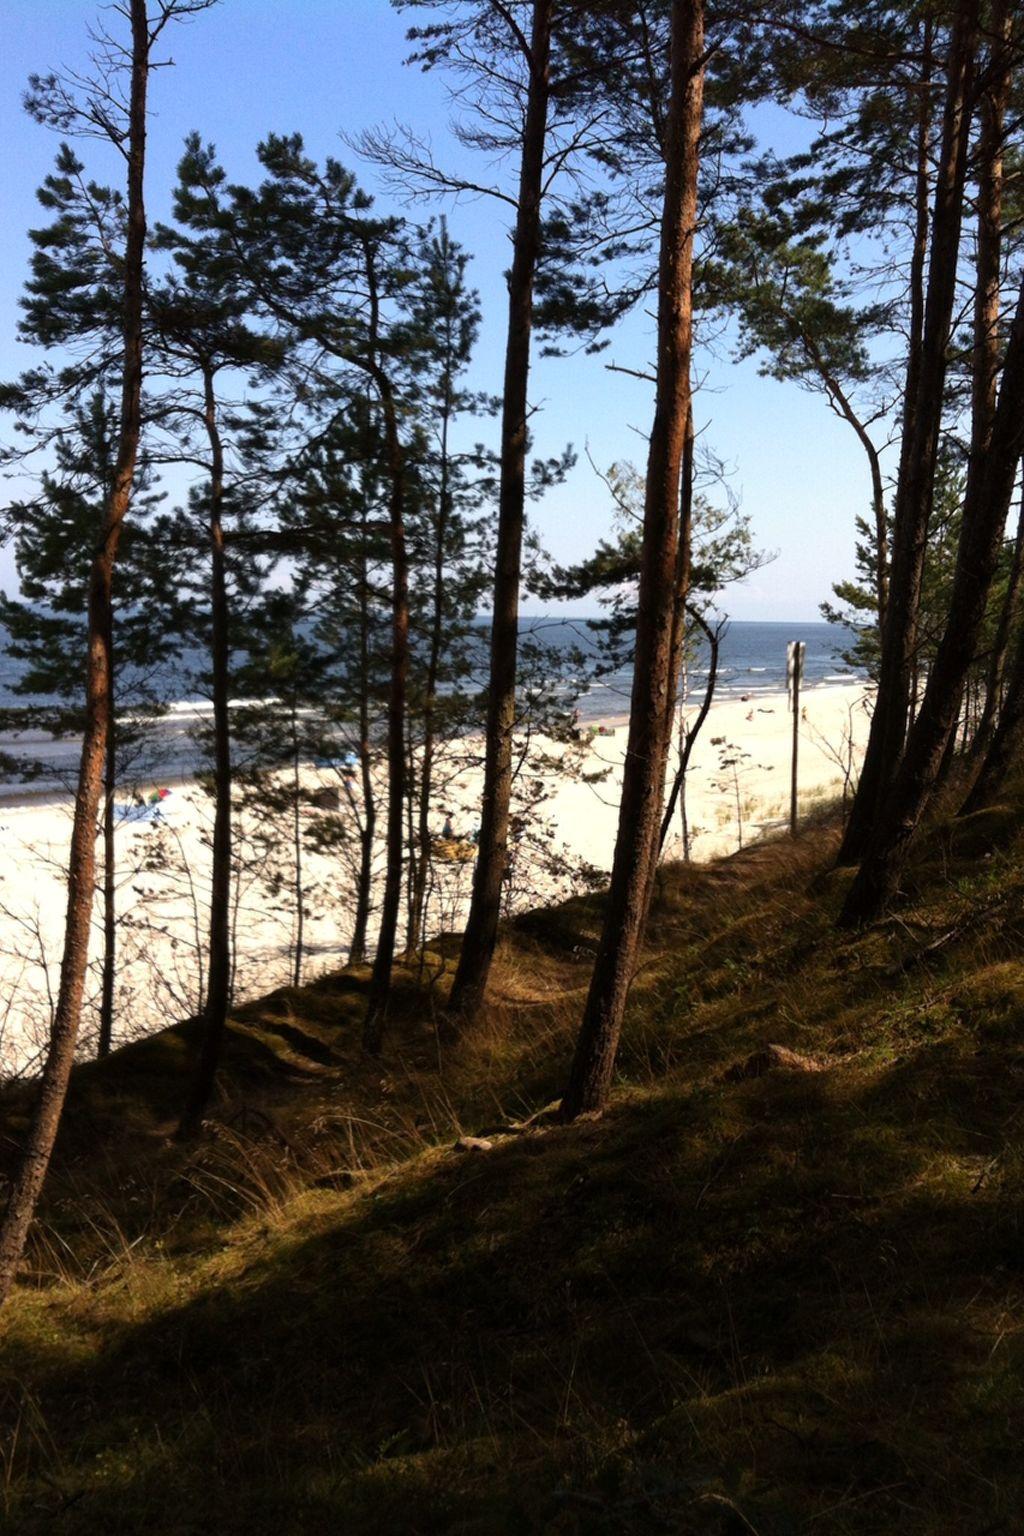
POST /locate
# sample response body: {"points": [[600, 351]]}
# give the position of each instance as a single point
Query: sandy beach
{"points": [[737, 790]]}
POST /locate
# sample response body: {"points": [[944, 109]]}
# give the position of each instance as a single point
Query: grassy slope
{"points": [[785, 1304]]}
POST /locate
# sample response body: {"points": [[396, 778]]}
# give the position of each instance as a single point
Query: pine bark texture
{"points": [[925, 385], [368, 826], [470, 983], [106, 1030], [988, 265], [299, 890], [683, 572], [383, 963], [636, 846], [1006, 742], [677, 793], [997, 674], [422, 837], [985, 363], [218, 984], [35, 1157], [989, 490]]}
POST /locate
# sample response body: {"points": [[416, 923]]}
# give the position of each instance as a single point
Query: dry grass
{"points": [[786, 1304]]}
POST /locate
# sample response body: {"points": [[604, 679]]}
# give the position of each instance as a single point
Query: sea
{"points": [[752, 661]]}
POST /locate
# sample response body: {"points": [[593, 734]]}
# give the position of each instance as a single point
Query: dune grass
{"points": [[780, 1303]]}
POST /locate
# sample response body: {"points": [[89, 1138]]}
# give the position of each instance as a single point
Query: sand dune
{"points": [[737, 788]]}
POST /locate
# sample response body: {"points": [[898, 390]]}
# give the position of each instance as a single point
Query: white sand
{"points": [[737, 787]]}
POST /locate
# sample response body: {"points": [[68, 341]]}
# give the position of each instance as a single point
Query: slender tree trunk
{"points": [[420, 835], [1000, 733], [636, 846], [842, 404], [380, 982], [988, 267], [684, 563], [357, 949], [989, 490], [481, 934], [1007, 739], [1008, 614], [35, 1157], [949, 756], [368, 827], [106, 1033], [300, 895], [922, 422], [985, 373], [412, 843], [684, 819], [678, 790], [218, 983], [417, 914], [881, 523], [919, 249]]}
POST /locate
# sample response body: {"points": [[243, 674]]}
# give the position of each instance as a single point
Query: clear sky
{"points": [[331, 67]]}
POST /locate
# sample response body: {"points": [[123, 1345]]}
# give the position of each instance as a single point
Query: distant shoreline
{"points": [[14, 793], [737, 790]]}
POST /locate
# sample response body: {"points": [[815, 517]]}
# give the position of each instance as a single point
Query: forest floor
{"points": [[776, 1301]]}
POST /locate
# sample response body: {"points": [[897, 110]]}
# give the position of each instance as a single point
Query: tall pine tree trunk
{"points": [[106, 1032], [417, 913], [1006, 742], [300, 894], [985, 361], [996, 674], [986, 503], [426, 786], [368, 821], [925, 387], [383, 962], [636, 846], [684, 564], [481, 934], [988, 264], [218, 985], [35, 1157], [677, 794]]}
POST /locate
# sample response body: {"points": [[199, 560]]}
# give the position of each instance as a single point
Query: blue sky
{"points": [[330, 67]]}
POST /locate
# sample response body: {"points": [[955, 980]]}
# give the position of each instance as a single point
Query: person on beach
{"points": [[448, 831]]}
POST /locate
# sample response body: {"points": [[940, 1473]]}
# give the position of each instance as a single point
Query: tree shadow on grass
{"points": [[782, 1297]]}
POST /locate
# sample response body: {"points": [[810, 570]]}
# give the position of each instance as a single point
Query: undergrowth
{"points": [[789, 1302]]}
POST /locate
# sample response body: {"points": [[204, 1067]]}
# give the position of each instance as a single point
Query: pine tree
{"points": [[337, 519], [996, 442], [796, 313], [286, 671], [54, 536], [317, 262], [653, 694], [530, 46], [448, 529], [95, 107], [986, 502], [200, 326], [923, 404]]}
